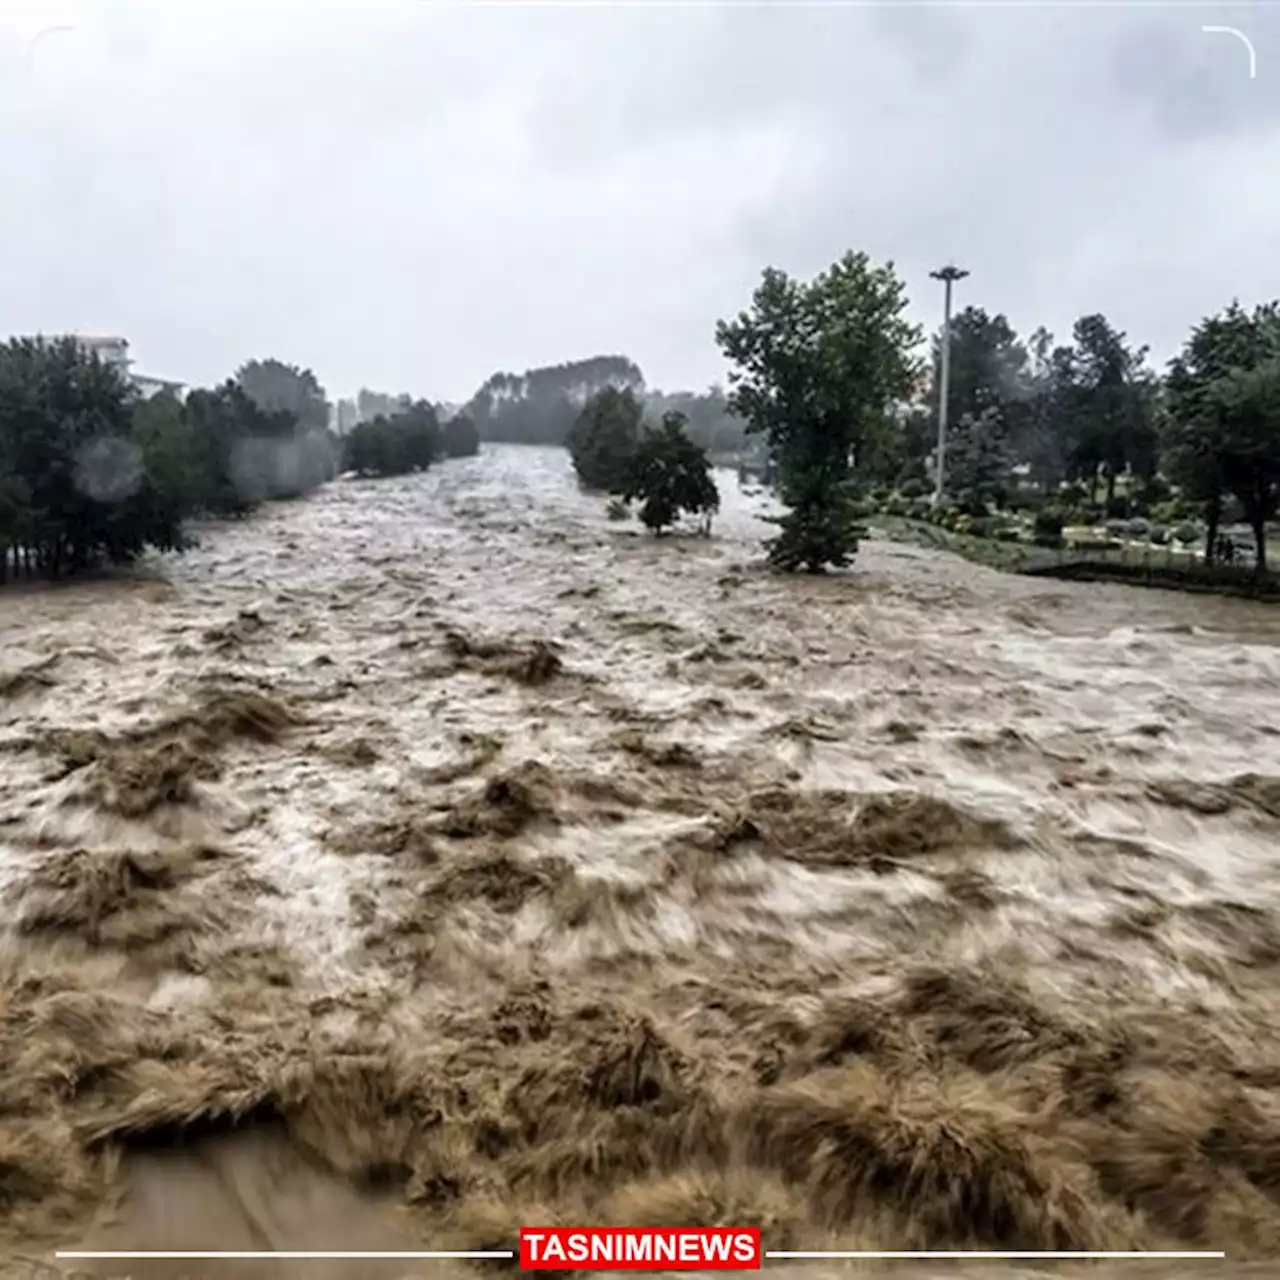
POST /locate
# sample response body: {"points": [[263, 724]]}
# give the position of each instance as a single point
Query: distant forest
{"points": [[540, 406]]}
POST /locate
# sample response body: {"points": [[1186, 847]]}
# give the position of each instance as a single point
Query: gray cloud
{"points": [[1196, 83], [411, 196]]}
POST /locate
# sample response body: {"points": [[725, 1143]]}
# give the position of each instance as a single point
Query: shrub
{"points": [[1048, 523], [1073, 494], [1186, 533], [1095, 544], [920, 509], [1117, 508], [1082, 515], [1154, 489], [896, 506], [914, 488], [1175, 511], [1023, 500], [1160, 535], [618, 509]]}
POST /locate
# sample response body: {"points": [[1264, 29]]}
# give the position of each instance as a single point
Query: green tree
{"points": [[1206, 412], [1044, 424], [668, 474], [276, 387], [604, 437], [173, 489], [79, 481], [979, 461], [818, 366], [237, 445], [404, 442], [1246, 406], [461, 439], [1113, 406], [988, 366]]}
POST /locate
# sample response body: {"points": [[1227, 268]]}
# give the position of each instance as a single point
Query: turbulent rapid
{"points": [[435, 856]]}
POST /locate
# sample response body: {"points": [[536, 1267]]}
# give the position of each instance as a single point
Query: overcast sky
{"points": [[410, 195]]}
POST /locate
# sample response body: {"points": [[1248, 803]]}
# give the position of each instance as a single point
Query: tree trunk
{"points": [[1111, 486], [1257, 507], [1212, 516]]}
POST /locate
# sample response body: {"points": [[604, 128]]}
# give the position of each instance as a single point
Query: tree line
{"points": [[409, 439], [91, 471], [829, 373], [541, 406]]}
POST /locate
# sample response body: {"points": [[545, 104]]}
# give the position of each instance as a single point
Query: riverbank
{"points": [[1126, 564]]}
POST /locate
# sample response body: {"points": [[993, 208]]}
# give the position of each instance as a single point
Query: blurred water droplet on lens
{"points": [[109, 469]]}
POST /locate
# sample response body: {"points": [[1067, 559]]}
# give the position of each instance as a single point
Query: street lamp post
{"points": [[948, 275]]}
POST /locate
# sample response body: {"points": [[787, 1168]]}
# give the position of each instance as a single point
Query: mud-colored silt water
{"points": [[434, 856]]}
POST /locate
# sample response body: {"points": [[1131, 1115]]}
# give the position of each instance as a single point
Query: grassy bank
{"points": [[1133, 564]]}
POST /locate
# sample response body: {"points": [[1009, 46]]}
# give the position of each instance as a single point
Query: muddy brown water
{"points": [[435, 856]]}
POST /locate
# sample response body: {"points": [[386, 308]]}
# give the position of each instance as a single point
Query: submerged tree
{"points": [[461, 439], [391, 446], [604, 438], [818, 365], [669, 474]]}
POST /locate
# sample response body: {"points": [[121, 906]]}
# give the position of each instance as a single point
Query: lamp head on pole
{"points": [[950, 274]]}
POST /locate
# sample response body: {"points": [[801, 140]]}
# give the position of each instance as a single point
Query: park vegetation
{"points": [[1044, 438], [1049, 442]]}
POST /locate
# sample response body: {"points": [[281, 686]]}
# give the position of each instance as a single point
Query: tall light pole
{"points": [[948, 275]]}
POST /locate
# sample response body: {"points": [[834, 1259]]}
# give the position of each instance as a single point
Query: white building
{"points": [[147, 386], [115, 351]]}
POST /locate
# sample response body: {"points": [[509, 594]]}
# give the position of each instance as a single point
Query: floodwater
{"points": [[435, 856]]}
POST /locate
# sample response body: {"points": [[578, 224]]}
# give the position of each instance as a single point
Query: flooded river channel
{"points": [[435, 856]]}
